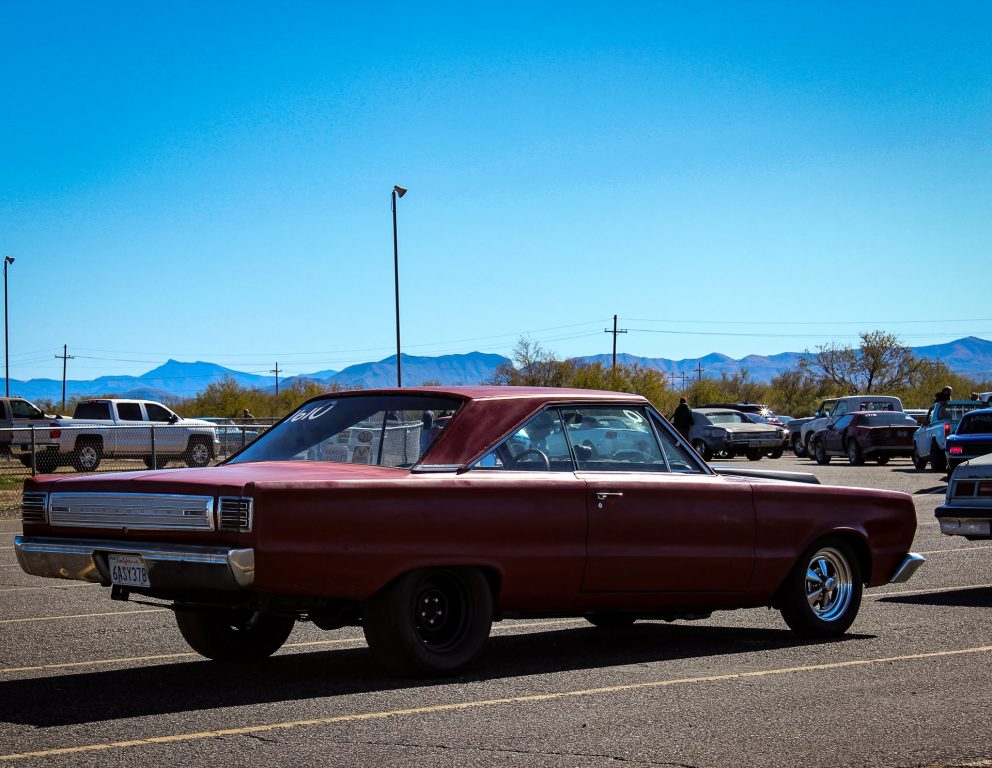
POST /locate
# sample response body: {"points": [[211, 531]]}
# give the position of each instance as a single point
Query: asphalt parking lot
{"points": [[86, 681]]}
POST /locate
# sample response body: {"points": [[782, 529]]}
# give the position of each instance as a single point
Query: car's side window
{"points": [[22, 409], [539, 445], [678, 456], [843, 422], [612, 439], [129, 412], [157, 413]]}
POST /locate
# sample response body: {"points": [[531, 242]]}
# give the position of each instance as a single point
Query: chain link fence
{"points": [[65, 449]]}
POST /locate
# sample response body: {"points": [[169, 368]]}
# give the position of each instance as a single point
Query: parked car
{"points": [[17, 418], [874, 436], [842, 405], [723, 431], [929, 442], [919, 414], [972, 438], [758, 408], [967, 507], [525, 503], [795, 426], [757, 418]]}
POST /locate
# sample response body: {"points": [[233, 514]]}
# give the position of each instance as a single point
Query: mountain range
{"points": [[970, 356]]}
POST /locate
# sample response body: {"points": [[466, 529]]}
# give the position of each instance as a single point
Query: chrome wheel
{"points": [[829, 584]]}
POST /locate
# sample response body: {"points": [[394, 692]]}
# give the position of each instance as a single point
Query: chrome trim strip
{"points": [[170, 566], [905, 571], [133, 511]]}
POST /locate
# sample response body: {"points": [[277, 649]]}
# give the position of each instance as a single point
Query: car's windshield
{"points": [[976, 424], [892, 419], [382, 430]]}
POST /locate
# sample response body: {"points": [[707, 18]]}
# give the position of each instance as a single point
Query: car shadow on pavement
{"points": [[970, 597], [204, 685]]}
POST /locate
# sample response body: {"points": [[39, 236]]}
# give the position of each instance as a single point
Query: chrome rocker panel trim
{"points": [[169, 566]]}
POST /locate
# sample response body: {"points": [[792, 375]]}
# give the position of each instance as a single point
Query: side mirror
{"points": [[173, 419]]}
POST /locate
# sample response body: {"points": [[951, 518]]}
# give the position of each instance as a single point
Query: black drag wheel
{"points": [[881, 460], [609, 620], [429, 622], [702, 449], [918, 461], [854, 455], [753, 454], [938, 459], [776, 454], [87, 456], [797, 446], [197, 453], [234, 635], [820, 453], [822, 594]]}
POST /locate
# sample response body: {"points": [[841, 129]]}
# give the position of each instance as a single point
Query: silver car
{"points": [[721, 430]]}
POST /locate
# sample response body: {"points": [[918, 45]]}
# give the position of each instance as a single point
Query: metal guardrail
{"points": [[45, 449]]}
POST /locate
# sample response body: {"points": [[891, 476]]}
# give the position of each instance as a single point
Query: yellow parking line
{"points": [[933, 591], [82, 616], [73, 585], [480, 703]]}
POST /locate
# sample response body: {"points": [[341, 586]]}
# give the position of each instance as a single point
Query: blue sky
{"points": [[210, 181]]}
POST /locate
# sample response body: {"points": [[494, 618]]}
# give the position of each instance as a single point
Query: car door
{"points": [[657, 526], [833, 436], [169, 438]]}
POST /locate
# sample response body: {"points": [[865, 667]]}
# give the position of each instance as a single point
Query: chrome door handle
{"points": [[602, 496]]}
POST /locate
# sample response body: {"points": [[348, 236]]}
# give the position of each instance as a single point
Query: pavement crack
{"points": [[261, 738]]}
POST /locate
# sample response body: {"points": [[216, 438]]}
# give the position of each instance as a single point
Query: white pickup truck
{"points": [[133, 429]]}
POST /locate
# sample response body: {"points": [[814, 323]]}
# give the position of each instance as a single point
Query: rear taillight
{"points": [[955, 450], [56, 433], [947, 428]]}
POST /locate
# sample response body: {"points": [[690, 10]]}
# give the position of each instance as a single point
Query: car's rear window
{"points": [[976, 424], [92, 411], [888, 420], [380, 430]]}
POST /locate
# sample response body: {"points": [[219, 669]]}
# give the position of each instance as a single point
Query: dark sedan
{"points": [[864, 435]]}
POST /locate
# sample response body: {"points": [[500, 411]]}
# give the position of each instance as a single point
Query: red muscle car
{"points": [[425, 514]]}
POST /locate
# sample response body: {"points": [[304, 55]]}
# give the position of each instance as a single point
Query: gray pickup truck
{"points": [[930, 440], [796, 425], [127, 429]]}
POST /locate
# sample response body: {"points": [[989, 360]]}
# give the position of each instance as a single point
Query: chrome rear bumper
{"points": [[169, 566]]}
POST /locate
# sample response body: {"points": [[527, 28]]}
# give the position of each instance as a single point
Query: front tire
{"points": [[776, 454], [854, 455], [919, 462], [234, 635], [753, 454], [797, 446], [820, 453], [429, 622], [821, 596], [702, 449]]}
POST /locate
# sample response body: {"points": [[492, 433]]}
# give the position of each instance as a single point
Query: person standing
{"points": [[944, 395], [682, 418]]}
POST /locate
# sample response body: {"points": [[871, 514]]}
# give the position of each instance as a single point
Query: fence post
{"points": [[244, 434], [154, 452], [34, 454]]}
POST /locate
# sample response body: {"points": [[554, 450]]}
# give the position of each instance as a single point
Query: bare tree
{"points": [[879, 364]]}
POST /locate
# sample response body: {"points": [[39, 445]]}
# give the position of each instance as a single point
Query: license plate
{"points": [[754, 444], [128, 570]]}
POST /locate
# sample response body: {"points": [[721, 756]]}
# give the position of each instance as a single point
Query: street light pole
{"points": [[398, 191], [6, 341]]}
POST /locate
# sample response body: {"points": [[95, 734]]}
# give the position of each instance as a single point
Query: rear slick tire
{"points": [[938, 459], [234, 635], [429, 622]]}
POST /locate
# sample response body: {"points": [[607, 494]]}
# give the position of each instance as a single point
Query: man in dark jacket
{"points": [[682, 418], [944, 395]]}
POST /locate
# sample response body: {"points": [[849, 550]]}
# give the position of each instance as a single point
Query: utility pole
{"points": [[699, 371], [64, 357], [673, 375], [683, 380], [614, 332], [276, 372]]}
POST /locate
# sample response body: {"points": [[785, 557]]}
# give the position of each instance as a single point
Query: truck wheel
{"points": [[234, 635], [822, 594], [854, 455], [155, 463], [797, 446], [920, 462], [753, 454], [702, 449], [429, 622], [197, 453], [938, 459], [87, 456], [820, 452]]}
